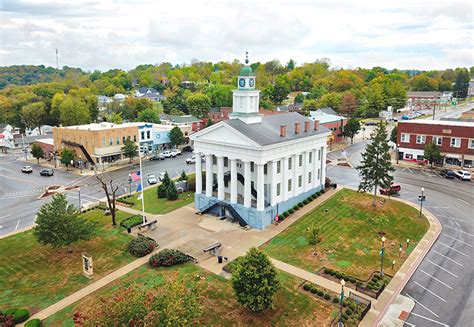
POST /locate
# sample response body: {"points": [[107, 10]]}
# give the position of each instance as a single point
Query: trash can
{"points": [[219, 259]]}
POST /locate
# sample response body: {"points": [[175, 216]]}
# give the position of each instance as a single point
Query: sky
{"points": [[405, 34]]}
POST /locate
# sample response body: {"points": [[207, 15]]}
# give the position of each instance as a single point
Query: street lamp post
{"points": [[79, 195], [130, 183], [408, 243], [343, 282], [397, 153], [381, 255], [421, 198]]}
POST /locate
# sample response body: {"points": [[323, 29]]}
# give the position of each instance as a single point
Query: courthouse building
{"points": [[258, 166]]}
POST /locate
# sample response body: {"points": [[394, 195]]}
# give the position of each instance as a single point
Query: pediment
{"points": [[223, 133]]}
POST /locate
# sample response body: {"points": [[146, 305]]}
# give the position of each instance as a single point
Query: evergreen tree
{"points": [[461, 83], [209, 122], [163, 187], [66, 157], [352, 128], [183, 176], [255, 281], [431, 152], [130, 149], [393, 135], [171, 192], [376, 164], [37, 151], [59, 224], [176, 136]]}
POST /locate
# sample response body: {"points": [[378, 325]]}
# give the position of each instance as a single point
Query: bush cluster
{"points": [[125, 200], [340, 275], [131, 221], [168, 258], [34, 323], [141, 246], [14, 315], [297, 206]]}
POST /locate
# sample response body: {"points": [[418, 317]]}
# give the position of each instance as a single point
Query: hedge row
{"points": [[168, 258], [125, 200], [300, 205], [141, 246], [340, 275], [131, 221]]}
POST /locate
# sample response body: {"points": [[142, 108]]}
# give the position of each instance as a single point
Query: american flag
{"points": [[136, 176]]}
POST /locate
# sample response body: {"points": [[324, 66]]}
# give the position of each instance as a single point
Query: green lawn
{"points": [[160, 206], [293, 307], [36, 276], [350, 235]]}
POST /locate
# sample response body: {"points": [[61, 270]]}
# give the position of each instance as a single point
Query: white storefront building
{"points": [[258, 166]]}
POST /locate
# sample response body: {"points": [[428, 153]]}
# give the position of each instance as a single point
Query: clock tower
{"points": [[246, 98]]}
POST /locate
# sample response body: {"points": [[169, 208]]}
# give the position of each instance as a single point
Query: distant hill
{"points": [[30, 74]]}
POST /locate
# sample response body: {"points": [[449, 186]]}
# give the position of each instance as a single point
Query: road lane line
{"points": [[458, 240], [439, 297], [5, 216], [411, 297], [463, 201], [423, 317], [442, 268], [459, 230], [460, 252], [407, 323], [449, 258], [436, 279], [17, 224]]}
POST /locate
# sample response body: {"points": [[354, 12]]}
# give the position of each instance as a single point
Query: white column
{"points": [[209, 175], [294, 183], [220, 178], [323, 166], [233, 181], [247, 193], [315, 165], [284, 178], [260, 188], [273, 182], [198, 173], [305, 171]]}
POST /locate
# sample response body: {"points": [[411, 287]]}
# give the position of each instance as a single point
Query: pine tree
{"points": [[171, 192], [162, 189], [432, 153], [376, 164], [255, 281], [183, 176], [37, 151], [59, 224]]}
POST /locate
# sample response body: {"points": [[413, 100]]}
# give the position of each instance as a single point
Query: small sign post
{"points": [[87, 267]]}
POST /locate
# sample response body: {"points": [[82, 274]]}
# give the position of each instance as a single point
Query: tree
{"points": [[32, 114], [163, 187], [310, 105], [313, 234], [281, 89], [67, 156], [255, 281], [115, 118], [220, 95], [209, 122], [432, 153], [37, 152], [393, 135], [59, 224], [171, 192], [461, 83], [351, 129], [348, 105], [299, 98], [183, 176], [199, 104], [376, 164], [291, 64], [73, 111], [130, 149], [149, 115], [176, 136], [423, 82], [374, 101], [332, 100], [110, 189]]}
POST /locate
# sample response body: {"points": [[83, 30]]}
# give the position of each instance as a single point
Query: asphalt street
{"points": [[19, 193], [443, 285]]}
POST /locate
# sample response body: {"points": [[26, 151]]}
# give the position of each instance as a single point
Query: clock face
{"points": [[252, 82], [241, 82]]}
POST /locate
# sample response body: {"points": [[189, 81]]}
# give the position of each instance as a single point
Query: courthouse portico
{"points": [[257, 167]]}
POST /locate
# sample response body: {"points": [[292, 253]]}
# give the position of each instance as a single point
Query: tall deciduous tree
{"points": [[149, 115], [199, 104], [352, 128], [376, 165], [73, 111], [348, 104], [37, 152], [66, 157], [130, 150], [59, 224], [255, 281], [280, 90], [32, 114], [176, 136], [432, 152]]}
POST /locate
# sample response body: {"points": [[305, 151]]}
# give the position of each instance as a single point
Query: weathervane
{"points": [[247, 57]]}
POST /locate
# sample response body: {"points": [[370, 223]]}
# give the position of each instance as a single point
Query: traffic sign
{"points": [[421, 198]]}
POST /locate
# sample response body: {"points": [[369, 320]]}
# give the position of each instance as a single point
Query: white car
{"points": [[168, 154], [151, 179], [176, 152], [463, 175], [192, 159], [26, 169]]}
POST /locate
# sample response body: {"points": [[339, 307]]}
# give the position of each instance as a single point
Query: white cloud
{"points": [[110, 34]]}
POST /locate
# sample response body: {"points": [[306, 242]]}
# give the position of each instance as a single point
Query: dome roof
{"points": [[246, 71]]}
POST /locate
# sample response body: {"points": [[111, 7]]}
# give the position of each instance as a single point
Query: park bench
{"points": [[213, 249], [151, 225]]}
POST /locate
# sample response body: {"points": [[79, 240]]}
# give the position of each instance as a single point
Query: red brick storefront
{"points": [[455, 139]]}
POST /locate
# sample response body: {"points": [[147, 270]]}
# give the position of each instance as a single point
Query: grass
{"points": [[35, 276], [292, 306], [350, 234], [160, 206]]}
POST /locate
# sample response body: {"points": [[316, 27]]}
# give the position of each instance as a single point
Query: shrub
{"points": [[313, 235], [141, 246], [353, 306], [352, 280], [349, 312], [286, 214], [307, 287], [335, 299], [231, 266], [131, 221], [345, 316], [314, 290], [332, 272], [168, 258], [344, 304], [171, 192], [358, 283], [323, 191], [34, 323], [10, 312], [295, 207], [291, 211], [161, 191], [327, 296], [326, 270], [125, 201], [301, 204], [320, 292], [338, 275], [305, 201], [327, 182], [318, 193], [281, 217], [376, 277], [314, 196], [20, 316]]}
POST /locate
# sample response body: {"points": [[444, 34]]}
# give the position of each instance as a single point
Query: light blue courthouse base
{"points": [[254, 218]]}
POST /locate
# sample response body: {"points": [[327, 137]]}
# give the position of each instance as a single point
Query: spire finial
{"points": [[247, 57]]}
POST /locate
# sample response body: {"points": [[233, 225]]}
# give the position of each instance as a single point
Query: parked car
{"points": [[447, 173], [406, 117], [47, 172], [168, 154], [26, 169], [393, 189], [463, 175], [157, 157], [188, 149], [191, 160], [370, 123], [151, 179], [176, 152], [162, 176]]}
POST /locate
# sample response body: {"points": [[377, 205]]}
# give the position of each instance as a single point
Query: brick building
{"points": [[331, 121], [455, 139], [423, 99]]}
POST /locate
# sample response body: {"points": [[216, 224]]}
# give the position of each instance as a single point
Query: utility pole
{"points": [[57, 60]]}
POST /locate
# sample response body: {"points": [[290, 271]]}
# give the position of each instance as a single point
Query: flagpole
{"points": [[141, 181]]}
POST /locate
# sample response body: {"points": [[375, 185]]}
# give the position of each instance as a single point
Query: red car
{"points": [[394, 189]]}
